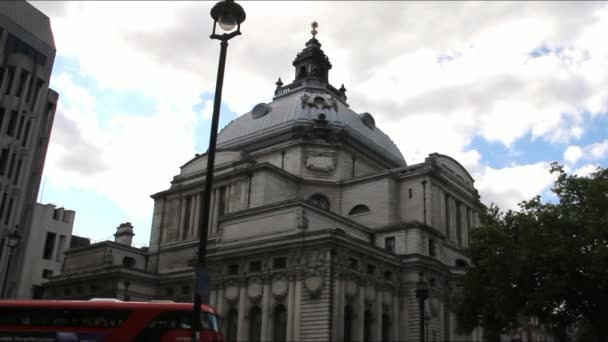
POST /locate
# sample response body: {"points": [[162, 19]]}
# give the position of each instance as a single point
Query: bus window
{"points": [[170, 324], [52, 317]]}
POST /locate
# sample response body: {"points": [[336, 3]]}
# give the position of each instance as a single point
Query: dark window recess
{"points": [[56, 214], [232, 323], [92, 288], [12, 123], [2, 112], [279, 323], [185, 290], [233, 269], [353, 263], [38, 292], [222, 201], [51, 317], [410, 192], [255, 324], [128, 262], [279, 263], [389, 244], [20, 128], [3, 161], [432, 251], [26, 134], [319, 201], [2, 73], [46, 274], [9, 211], [39, 84], [9, 82], [371, 269], [359, 209], [17, 172], [2, 204], [255, 266], [169, 291], [11, 165], [388, 275], [49, 244], [21, 84], [16, 45]]}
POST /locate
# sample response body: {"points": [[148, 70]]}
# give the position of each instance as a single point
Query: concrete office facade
{"points": [[27, 111]]}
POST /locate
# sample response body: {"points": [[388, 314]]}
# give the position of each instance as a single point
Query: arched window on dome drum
{"points": [[348, 321], [279, 323], [231, 326], [255, 324], [359, 209], [320, 201]]}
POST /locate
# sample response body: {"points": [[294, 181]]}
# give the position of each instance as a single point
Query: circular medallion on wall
{"points": [[350, 288], [314, 284], [279, 287], [231, 293], [370, 293], [254, 289], [387, 298]]}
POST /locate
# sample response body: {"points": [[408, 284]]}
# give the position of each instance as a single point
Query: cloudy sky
{"points": [[506, 88]]}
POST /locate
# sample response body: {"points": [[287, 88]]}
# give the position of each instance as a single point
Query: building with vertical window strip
{"points": [[319, 229], [27, 110]]}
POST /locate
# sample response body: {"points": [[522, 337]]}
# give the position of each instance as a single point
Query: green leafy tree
{"points": [[545, 260]]}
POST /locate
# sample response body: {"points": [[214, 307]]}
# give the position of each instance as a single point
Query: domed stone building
{"points": [[319, 230]]}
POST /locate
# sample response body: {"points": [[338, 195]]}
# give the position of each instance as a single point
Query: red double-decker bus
{"points": [[103, 320]]}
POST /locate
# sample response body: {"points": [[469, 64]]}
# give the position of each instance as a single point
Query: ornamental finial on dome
{"points": [[314, 26]]}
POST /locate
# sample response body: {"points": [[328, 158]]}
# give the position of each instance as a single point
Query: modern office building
{"points": [[319, 229], [49, 236], [27, 110]]}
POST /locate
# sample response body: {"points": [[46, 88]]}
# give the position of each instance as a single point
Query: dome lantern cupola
{"points": [[312, 61]]}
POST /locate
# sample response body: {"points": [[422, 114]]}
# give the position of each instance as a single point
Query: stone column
{"points": [[291, 309], [359, 321], [196, 211], [220, 300], [338, 325], [211, 212], [379, 312], [396, 318], [297, 307], [401, 329], [216, 207], [182, 214], [242, 331], [265, 310], [193, 213]]}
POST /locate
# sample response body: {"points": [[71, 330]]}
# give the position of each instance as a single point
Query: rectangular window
{"points": [[49, 244], [255, 266], [222, 201], [12, 123], [2, 204], [60, 248], [371, 269], [11, 77], [17, 172], [56, 214], [20, 127], [353, 263], [2, 73], [46, 274], [279, 263], [432, 251], [389, 244], [410, 192], [388, 275], [3, 161], [11, 165], [447, 217], [2, 111], [233, 269], [21, 84], [9, 211]]}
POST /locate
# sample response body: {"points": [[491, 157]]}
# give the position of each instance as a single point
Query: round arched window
{"points": [[359, 209], [319, 201]]}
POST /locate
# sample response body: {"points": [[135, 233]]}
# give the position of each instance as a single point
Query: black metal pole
{"points": [[421, 306], [203, 226], [8, 265]]}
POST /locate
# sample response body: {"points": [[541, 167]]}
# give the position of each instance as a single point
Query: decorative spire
{"points": [[314, 26]]}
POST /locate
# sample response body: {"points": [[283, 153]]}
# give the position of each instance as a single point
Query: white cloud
{"points": [[586, 170], [595, 151], [508, 186]]}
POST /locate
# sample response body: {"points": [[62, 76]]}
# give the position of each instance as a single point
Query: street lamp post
{"points": [[228, 15], [422, 293], [13, 241]]}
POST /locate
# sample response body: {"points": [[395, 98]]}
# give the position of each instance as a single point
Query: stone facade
{"points": [[319, 230]]}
